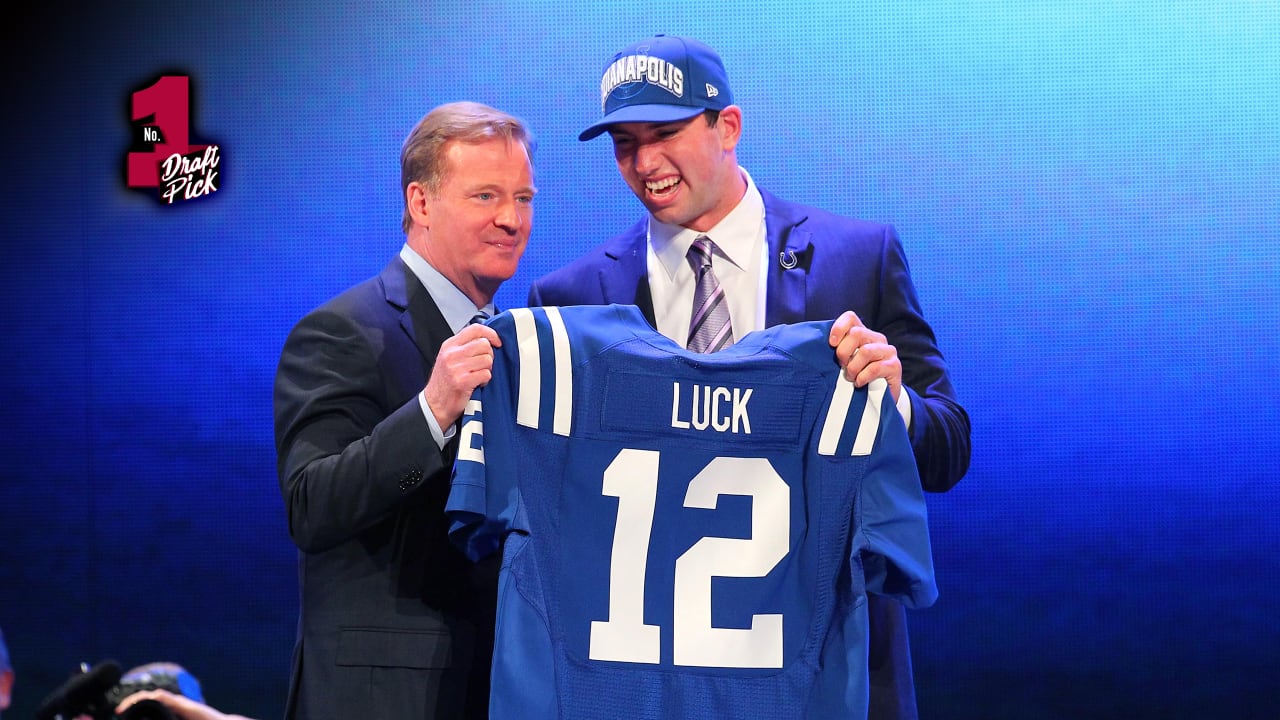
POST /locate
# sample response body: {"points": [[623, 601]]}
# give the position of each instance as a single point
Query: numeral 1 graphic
{"points": [[632, 477], [169, 100]]}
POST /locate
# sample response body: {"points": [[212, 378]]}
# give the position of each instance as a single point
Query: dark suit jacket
{"points": [[394, 622], [820, 265]]}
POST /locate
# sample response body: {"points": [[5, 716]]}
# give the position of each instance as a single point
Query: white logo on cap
{"points": [[712, 91], [644, 69]]}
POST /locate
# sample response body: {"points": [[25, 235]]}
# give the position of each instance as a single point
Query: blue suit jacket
{"points": [[840, 264], [394, 622], [820, 265]]}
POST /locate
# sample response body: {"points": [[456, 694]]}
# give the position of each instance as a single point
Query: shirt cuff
{"points": [[904, 406], [441, 437]]}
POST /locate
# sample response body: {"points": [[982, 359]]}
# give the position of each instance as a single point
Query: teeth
{"points": [[660, 185]]}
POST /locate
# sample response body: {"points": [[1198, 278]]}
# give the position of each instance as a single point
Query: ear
{"points": [[415, 198], [729, 125]]}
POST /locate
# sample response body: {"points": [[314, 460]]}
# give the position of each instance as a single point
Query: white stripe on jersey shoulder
{"points": [[529, 400], [562, 420], [530, 367], [870, 417], [838, 411]]}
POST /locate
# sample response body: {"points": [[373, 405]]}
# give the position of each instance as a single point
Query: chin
{"points": [[500, 271], [671, 216]]}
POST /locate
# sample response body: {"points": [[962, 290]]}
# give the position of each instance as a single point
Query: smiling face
{"points": [[685, 172], [475, 227]]}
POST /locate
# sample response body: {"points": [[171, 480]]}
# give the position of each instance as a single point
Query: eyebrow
{"points": [[671, 123], [656, 126], [498, 189]]}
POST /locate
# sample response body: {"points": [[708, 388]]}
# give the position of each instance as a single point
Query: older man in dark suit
{"points": [[395, 623], [716, 257]]}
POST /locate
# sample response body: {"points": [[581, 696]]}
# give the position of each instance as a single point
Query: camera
{"points": [[95, 692]]}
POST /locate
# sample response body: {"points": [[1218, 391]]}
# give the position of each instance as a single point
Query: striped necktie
{"points": [[709, 327]]}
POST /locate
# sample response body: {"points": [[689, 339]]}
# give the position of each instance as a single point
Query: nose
{"points": [[647, 158], [510, 216]]}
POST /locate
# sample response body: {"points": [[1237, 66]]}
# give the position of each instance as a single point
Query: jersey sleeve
{"points": [[484, 496], [895, 552], [528, 400]]}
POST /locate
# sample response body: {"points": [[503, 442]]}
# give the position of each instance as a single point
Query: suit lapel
{"points": [[419, 317], [790, 255], [789, 258], [626, 280]]}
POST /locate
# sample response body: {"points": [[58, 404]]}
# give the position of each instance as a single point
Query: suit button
{"points": [[411, 479]]}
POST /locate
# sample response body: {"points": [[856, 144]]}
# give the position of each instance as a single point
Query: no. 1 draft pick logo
{"points": [[178, 169]]}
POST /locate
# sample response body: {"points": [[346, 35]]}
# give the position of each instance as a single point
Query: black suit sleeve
{"points": [[939, 425], [351, 438]]}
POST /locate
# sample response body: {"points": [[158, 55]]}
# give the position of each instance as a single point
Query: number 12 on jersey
{"points": [[632, 477]]}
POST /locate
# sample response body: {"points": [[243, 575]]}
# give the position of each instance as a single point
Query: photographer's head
{"points": [[96, 692], [144, 682], [163, 676]]}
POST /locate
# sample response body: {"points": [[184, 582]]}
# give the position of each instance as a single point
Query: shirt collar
{"points": [[735, 234], [454, 305]]}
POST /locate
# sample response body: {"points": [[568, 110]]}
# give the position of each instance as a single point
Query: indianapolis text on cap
{"points": [[638, 68]]}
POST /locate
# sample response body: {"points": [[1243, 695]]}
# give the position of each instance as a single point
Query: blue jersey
{"points": [[686, 536]]}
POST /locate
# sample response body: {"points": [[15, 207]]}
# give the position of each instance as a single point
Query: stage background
{"points": [[1087, 193]]}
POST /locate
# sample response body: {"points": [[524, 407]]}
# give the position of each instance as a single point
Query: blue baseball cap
{"points": [[661, 79]]}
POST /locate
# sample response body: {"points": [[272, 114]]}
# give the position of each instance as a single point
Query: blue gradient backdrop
{"points": [[1087, 193]]}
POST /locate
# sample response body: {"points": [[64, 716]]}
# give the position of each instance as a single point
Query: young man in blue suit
{"points": [[669, 111], [395, 622]]}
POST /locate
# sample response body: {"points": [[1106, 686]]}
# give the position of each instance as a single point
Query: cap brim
{"points": [[641, 113]]}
